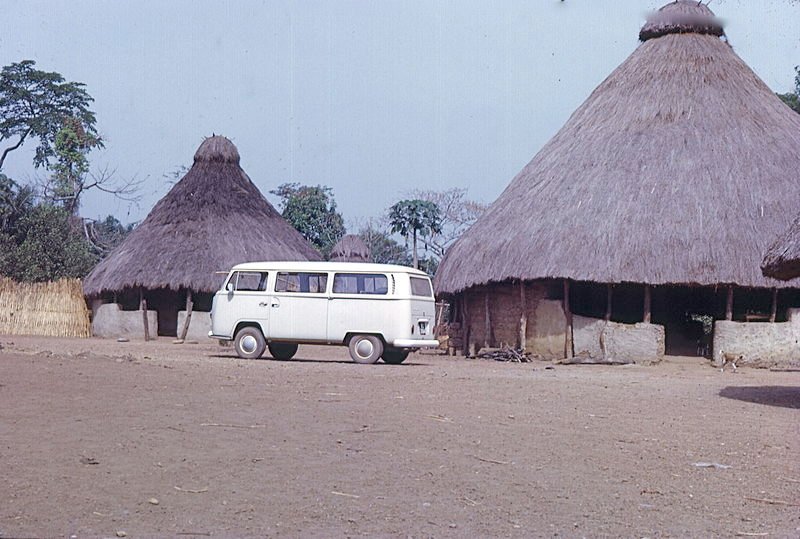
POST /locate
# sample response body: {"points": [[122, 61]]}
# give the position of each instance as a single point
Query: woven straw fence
{"points": [[55, 309]]}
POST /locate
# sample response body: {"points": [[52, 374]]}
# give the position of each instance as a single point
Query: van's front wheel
{"points": [[250, 343], [282, 351], [394, 356], [365, 348]]}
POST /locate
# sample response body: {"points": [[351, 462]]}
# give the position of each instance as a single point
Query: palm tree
{"points": [[415, 217]]}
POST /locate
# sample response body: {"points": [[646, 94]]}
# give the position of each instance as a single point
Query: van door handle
{"points": [[262, 304]]}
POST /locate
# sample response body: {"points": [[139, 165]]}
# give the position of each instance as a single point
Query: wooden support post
{"points": [[647, 304], [143, 308], [729, 304], [487, 336], [774, 310], [568, 346], [608, 302], [523, 317], [189, 305], [465, 325]]}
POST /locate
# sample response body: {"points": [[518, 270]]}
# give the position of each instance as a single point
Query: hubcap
{"points": [[364, 348], [248, 344]]}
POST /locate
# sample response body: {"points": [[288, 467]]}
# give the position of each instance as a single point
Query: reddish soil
{"points": [[99, 438]]}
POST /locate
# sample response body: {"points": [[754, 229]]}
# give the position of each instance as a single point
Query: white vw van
{"points": [[377, 310]]}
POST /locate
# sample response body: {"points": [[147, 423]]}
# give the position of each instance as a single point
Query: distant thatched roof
{"points": [[782, 260], [350, 248], [681, 167], [210, 220]]}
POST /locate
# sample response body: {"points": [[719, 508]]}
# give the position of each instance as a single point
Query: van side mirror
{"points": [[229, 287]]}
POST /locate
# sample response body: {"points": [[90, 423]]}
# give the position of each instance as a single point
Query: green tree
{"points": [[383, 249], [104, 235], [15, 202], [46, 246], [457, 214], [71, 168], [312, 211], [34, 104], [415, 218], [792, 99]]}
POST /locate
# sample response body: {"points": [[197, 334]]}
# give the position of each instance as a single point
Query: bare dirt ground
{"points": [[99, 438]]}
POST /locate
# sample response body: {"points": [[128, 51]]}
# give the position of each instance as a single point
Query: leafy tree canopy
{"points": [[312, 211], [413, 218], [383, 249], [36, 104], [45, 246]]}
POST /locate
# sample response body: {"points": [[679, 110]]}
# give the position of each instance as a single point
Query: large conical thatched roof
{"points": [[681, 167], [210, 220], [351, 248]]}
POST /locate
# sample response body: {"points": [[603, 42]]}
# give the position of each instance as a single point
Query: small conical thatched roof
{"points": [[213, 218], [350, 248], [782, 260], [680, 168]]}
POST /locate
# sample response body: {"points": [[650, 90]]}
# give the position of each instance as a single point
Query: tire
{"points": [[394, 356], [250, 343], [365, 349], [282, 350]]}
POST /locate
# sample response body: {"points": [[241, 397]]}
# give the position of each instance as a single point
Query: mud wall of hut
{"points": [[543, 316], [110, 321], [500, 314], [761, 344]]}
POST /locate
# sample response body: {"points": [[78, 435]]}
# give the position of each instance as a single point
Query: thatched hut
{"points": [[654, 203], [351, 248], [213, 218]]}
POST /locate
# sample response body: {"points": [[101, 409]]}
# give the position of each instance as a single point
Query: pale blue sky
{"points": [[373, 98]]}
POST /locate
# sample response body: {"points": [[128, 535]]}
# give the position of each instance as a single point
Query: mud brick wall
{"points": [[612, 342], [546, 322], [111, 322], [199, 325], [763, 344]]}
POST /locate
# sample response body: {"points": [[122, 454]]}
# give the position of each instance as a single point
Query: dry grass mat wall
{"points": [[55, 309]]}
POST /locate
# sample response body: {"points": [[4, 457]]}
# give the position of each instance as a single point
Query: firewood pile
{"points": [[506, 353]]}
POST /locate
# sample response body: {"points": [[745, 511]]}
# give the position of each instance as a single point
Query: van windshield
{"points": [[421, 286], [360, 283]]}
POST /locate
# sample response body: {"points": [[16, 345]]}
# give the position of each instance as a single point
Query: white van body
{"points": [[380, 309]]}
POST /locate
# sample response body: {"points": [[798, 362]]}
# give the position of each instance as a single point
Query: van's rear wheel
{"points": [[365, 348], [394, 356], [250, 343], [282, 351]]}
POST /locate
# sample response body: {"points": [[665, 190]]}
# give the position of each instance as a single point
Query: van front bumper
{"points": [[415, 343]]}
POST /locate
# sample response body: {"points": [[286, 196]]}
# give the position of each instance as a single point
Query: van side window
{"points": [[252, 281], [360, 283], [421, 286], [314, 283]]}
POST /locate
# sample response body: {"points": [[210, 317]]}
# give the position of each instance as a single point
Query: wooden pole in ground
{"points": [[487, 339], [568, 313], [729, 304], [608, 302], [189, 305], [774, 310], [143, 308], [523, 317], [647, 304], [465, 327]]}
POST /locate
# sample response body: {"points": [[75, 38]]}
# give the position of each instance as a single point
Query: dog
{"points": [[729, 358]]}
